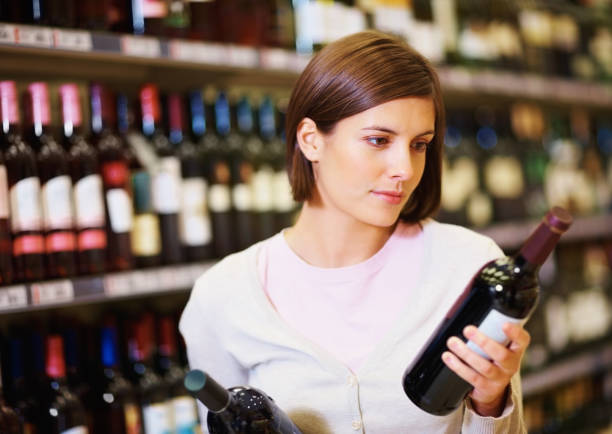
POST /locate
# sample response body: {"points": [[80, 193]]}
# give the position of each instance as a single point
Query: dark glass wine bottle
{"points": [[204, 25], [166, 187], [284, 204], [114, 400], [9, 419], [115, 176], [57, 206], [87, 185], [503, 290], [64, 412], [6, 257], [152, 391], [62, 13], [24, 190], [238, 410], [196, 228]]}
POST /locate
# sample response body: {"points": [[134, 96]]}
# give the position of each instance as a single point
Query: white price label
{"points": [[298, 62], [8, 34], [140, 46], [13, 297], [275, 58], [52, 292], [183, 278], [198, 52], [167, 278], [197, 270], [72, 40], [145, 281], [117, 284], [35, 36], [244, 57]]}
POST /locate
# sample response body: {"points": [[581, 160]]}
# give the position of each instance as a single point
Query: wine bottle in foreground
{"points": [[238, 410], [503, 290]]}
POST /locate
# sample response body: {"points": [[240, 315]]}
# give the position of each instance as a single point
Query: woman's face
{"points": [[370, 164]]}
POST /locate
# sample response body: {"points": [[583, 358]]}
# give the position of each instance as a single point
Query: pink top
{"points": [[345, 310]]}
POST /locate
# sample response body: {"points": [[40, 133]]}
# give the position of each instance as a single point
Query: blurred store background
{"points": [[143, 140]]}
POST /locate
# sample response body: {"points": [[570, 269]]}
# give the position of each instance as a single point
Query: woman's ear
{"points": [[309, 139]]}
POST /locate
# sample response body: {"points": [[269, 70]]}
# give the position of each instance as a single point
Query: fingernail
{"points": [[469, 331], [453, 342], [446, 356]]}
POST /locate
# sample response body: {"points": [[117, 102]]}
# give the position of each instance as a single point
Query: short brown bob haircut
{"points": [[354, 74]]}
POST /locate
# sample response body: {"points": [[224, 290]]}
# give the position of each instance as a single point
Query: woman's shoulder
{"points": [[452, 237]]}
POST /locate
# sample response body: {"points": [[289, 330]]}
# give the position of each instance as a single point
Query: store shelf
{"points": [[32, 50], [567, 370], [80, 290], [510, 235]]}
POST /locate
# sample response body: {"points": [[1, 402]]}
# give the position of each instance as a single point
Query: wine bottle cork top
{"points": [[195, 380], [559, 219]]}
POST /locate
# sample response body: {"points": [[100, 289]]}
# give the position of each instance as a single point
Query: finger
{"points": [[472, 359], [492, 348], [519, 337], [456, 365]]}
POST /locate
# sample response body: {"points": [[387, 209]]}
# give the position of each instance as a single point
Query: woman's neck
{"points": [[328, 239]]}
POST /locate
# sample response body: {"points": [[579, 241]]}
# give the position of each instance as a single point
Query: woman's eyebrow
{"points": [[390, 131]]}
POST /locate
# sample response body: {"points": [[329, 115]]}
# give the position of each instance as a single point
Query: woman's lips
{"points": [[392, 197]]}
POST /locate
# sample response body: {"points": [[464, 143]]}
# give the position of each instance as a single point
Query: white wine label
{"points": [[167, 186], [25, 205], [283, 198], [504, 177], [242, 197], [157, 419], [219, 198], [262, 186], [145, 235], [57, 203], [76, 430], [185, 414], [119, 210], [492, 327], [89, 202], [195, 226], [4, 200]]}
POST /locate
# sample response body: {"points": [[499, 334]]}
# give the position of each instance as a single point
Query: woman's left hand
{"points": [[489, 378]]}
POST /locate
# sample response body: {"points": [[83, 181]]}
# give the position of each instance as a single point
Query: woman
{"points": [[326, 315]]}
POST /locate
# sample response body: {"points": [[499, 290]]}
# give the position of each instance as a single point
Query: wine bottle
{"points": [[146, 238], [503, 290], [24, 190], [238, 410], [64, 412], [87, 185], [284, 204], [148, 16], [115, 403], [181, 404], [6, 257], [152, 391], [196, 227], [115, 176], [204, 25], [57, 207], [166, 187], [9, 420]]}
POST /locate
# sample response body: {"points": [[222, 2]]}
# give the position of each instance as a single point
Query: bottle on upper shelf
{"points": [[54, 174], [87, 184], [6, 250], [115, 177], [24, 190]]}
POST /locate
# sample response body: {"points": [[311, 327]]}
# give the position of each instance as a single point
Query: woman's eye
{"points": [[420, 146], [377, 141]]}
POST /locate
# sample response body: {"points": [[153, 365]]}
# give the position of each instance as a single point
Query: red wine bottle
{"points": [[6, 257], [65, 413], [24, 190], [115, 176], [57, 207], [88, 193], [503, 290], [238, 410], [166, 187]]}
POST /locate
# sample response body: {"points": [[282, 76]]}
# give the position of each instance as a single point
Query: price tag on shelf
{"points": [[145, 281], [275, 58], [72, 40], [8, 34], [13, 297], [167, 278], [299, 61], [60, 291], [243, 57], [35, 36], [117, 284], [197, 270], [140, 46], [198, 52], [183, 277]]}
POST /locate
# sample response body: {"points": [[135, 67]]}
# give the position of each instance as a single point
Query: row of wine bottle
{"points": [[119, 377], [513, 163], [563, 40], [122, 198]]}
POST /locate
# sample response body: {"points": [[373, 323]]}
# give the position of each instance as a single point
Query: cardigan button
{"points": [[356, 425]]}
